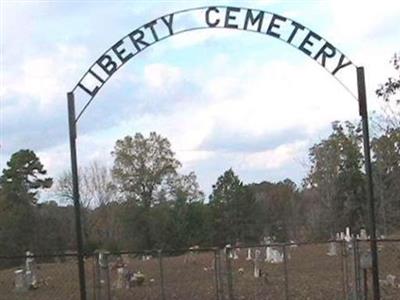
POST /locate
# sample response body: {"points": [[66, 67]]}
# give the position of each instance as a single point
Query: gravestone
{"points": [[30, 270], [19, 280], [363, 234], [348, 237], [257, 261], [273, 255], [235, 253], [248, 254], [332, 249]]}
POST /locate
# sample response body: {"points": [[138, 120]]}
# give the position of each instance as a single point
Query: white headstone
{"points": [[273, 256], [235, 253], [19, 280], [248, 254], [348, 235], [363, 234], [30, 270], [257, 256], [120, 278], [332, 249]]}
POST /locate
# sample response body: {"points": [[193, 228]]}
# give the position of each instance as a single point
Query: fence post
{"points": [[365, 278], [346, 266], [107, 279], [229, 272], [216, 274], [343, 268], [161, 274], [356, 269], [97, 287], [220, 275], [285, 272]]}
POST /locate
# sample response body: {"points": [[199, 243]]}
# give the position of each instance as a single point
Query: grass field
{"points": [[311, 275]]}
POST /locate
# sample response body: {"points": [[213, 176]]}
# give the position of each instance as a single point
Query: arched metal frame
{"points": [[222, 17]]}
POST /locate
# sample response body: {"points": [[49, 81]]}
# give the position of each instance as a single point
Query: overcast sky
{"points": [[224, 98]]}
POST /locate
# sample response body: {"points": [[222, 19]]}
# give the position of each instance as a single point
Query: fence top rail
{"points": [[157, 252], [72, 254]]}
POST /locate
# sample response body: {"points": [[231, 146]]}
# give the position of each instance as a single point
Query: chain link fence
{"points": [[329, 270]]}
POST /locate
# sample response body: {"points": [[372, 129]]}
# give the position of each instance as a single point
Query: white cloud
{"points": [[273, 159], [361, 19], [161, 76], [43, 80]]}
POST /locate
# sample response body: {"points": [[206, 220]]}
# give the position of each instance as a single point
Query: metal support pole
{"points": [[362, 99], [229, 273], [342, 268], [161, 274], [75, 192], [220, 275], [285, 272], [216, 273], [365, 277], [356, 268]]}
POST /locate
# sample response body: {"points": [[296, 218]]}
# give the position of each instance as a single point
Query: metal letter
{"points": [[340, 65], [168, 23], [258, 19], [92, 93], [273, 25], [153, 31], [138, 40], [324, 53], [307, 41], [107, 64], [229, 17], [208, 17], [120, 52], [296, 26]]}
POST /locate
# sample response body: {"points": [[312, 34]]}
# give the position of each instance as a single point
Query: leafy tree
{"points": [[281, 210], [234, 210], [24, 176], [20, 184], [386, 166], [389, 92], [386, 151], [141, 165], [336, 174]]}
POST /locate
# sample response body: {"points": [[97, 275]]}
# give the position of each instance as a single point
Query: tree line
{"points": [[143, 202]]}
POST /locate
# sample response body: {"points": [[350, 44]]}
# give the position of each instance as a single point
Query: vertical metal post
{"points": [[161, 274], [342, 268], [220, 275], [346, 267], [362, 99], [216, 274], [75, 192], [285, 272], [229, 272], [365, 277], [106, 269], [356, 269]]}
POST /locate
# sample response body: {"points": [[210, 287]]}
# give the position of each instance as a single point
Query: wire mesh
{"points": [[53, 277], [329, 270], [189, 274]]}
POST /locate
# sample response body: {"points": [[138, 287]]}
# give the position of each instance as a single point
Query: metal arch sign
{"points": [[239, 18], [228, 17]]}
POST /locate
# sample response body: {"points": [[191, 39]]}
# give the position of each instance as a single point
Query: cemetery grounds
{"points": [[309, 273]]}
